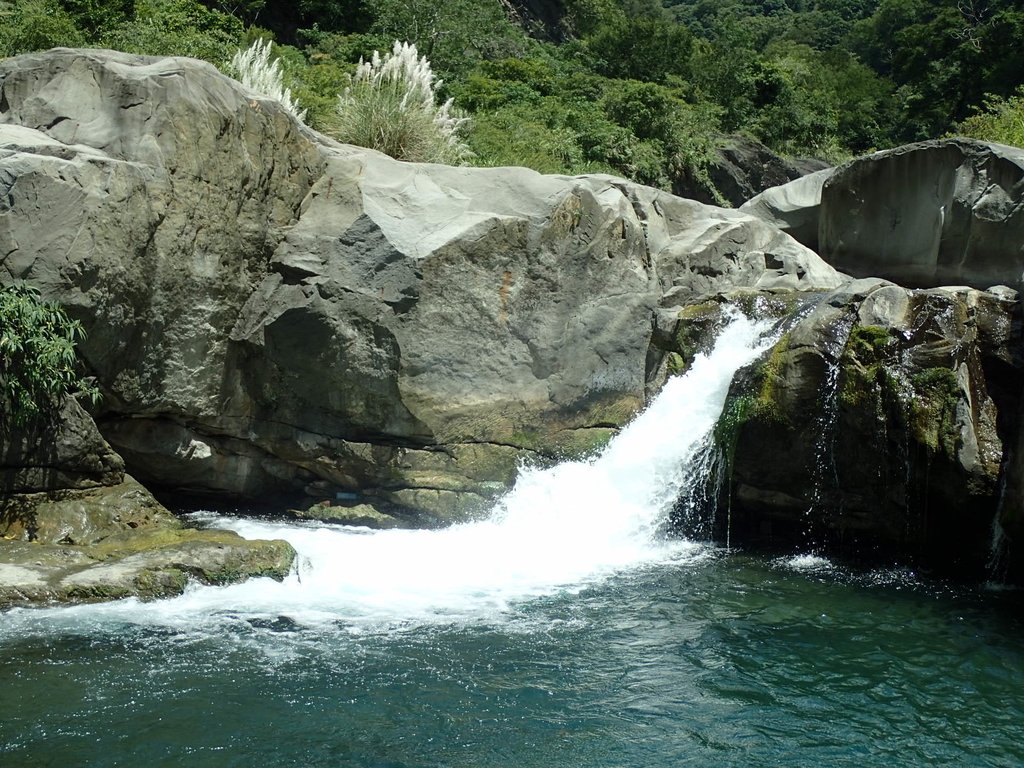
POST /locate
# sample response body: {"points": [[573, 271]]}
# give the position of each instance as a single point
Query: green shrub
{"points": [[38, 365], [391, 105], [1001, 120], [33, 25], [176, 28]]}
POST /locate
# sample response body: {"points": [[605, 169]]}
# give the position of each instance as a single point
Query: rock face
{"points": [[268, 311], [74, 527], [62, 451], [742, 169], [878, 425], [946, 212], [109, 542], [795, 207]]}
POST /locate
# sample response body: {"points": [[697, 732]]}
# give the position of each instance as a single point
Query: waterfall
{"points": [[560, 528]]}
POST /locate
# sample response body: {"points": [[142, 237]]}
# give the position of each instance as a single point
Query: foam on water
{"points": [[805, 562], [561, 528]]}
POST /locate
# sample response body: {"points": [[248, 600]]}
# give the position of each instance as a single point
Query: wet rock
{"points": [[115, 542], [878, 425], [364, 515]]}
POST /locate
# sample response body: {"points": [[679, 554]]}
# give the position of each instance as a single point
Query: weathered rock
{"points": [[81, 516], [945, 212], [172, 185], [741, 169], [268, 311], [878, 425], [113, 542], [60, 450], [364, 515], [794, 207]]}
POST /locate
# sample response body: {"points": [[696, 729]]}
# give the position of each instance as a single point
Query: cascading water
{"points": [[559, 528], [823, 471]]}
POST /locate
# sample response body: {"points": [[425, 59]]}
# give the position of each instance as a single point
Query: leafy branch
{"points": [[38, 362]]}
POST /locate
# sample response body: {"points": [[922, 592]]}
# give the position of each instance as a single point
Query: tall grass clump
{"points": [[390, 105], [254, 69]]}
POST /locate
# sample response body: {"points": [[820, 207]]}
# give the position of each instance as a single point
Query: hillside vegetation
{"points": [[634, 87]]}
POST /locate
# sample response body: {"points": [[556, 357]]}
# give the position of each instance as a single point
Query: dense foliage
{"points": [[636, 87], [38, 364]]}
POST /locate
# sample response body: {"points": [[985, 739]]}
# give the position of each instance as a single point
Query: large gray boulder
{"points": [[270, 311], [74, 526], [945, 212], [60, 450]]}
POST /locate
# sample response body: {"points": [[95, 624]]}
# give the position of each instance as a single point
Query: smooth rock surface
{"points": [[793, 207], [944, 212]]}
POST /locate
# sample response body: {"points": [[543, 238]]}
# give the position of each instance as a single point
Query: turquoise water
{"points": [[721, 660]]}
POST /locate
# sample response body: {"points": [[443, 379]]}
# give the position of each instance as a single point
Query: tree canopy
{"points": [[636, 87]]}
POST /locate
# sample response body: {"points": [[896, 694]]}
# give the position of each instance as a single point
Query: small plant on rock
{"points": [[254, 69], [391, 105], [38, 364]]}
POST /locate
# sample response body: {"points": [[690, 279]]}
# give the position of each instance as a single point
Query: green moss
{"points": [[695, 321], [737, 412], [97, 592], [865, 363], [760, 403], [164, 582], [758, 305], [933, 410], [870, 342], [769, 375], [676, 363]]}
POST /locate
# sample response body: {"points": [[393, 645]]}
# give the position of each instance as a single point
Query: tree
{"points": [[642, 49], [177, 28], [32, 25]]}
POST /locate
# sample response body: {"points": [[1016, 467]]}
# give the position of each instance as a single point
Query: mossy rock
{"points": [[364, 515], [130, 546], [933, 410]]}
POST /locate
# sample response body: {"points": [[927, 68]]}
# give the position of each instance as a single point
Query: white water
{"points": [[561, 528]]}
